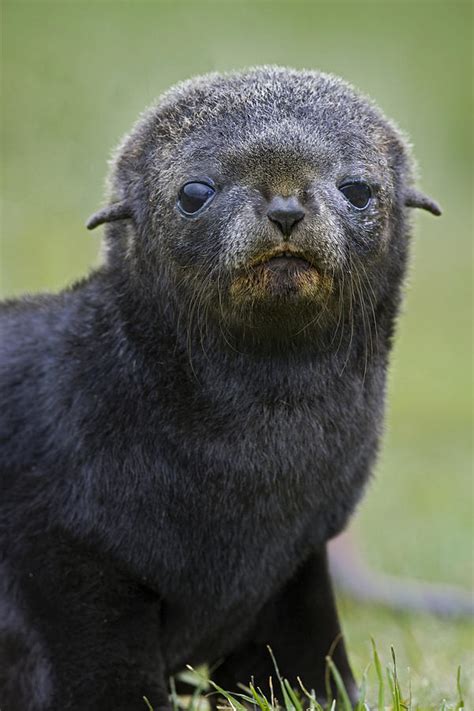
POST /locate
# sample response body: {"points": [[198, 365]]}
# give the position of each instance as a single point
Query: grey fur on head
{"points": [[195, 103], [265, 131]]}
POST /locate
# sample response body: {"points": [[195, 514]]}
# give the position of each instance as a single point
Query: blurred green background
{"points": [[76, 75]]}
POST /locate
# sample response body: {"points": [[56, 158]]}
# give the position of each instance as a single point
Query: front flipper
{"points": [[301, 626]]}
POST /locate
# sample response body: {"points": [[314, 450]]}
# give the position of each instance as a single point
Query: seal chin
{"points": [[280, 279], [286, 275]]}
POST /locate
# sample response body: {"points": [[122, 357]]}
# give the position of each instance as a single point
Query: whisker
{"points": [[351, 317], [194, 308], [314, 321], [225, 333], [365, 325], [340, 321], [372, 300]]}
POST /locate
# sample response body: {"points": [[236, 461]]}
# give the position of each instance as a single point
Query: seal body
{"points": [[184, 430]]}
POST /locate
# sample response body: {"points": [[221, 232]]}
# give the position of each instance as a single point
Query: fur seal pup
{"points": [[184, 430]]}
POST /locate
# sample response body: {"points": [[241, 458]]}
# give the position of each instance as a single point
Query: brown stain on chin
{"points": [[262, 281]]}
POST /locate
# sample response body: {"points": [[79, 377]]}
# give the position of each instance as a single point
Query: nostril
{"points": [[285, 213], [286, 220]]}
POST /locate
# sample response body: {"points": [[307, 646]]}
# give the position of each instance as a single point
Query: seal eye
{"points": [[357, 193], [193, 196]]}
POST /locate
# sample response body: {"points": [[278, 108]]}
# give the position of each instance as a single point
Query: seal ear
{"points": [[413, 198], [111, 213]]}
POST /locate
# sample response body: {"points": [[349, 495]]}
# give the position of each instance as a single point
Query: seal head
{"points": [[273, 200]]}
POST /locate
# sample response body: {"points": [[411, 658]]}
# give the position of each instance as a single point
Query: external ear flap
{"points": [[111, 213], [413, 198]]}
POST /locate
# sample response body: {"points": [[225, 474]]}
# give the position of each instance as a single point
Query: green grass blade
{"points": [[327, 686], [260, 698], [174, 695], [200, 682], [379, 672], [396, 695], [398, 705], [410, 698], [148, 705], [286, 698], [233, 702], [346, 703], [272, 694], [196, 697], [313, 702], [391, 685], [363, 690], [460, 703], [294, 698]]}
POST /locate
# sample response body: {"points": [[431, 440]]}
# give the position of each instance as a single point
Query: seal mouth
{"points": [[285, 259]]}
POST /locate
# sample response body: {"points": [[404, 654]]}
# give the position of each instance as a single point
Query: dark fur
{"points": [[174, 457]]}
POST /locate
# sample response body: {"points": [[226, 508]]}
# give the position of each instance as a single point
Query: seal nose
{"points": [[285, 212]]}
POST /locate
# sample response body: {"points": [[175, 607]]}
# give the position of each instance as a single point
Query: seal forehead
{"points": [[284, 155], [275, 112], [230, 103]]}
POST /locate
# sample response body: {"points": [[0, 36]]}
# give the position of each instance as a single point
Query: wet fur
{"points": [[175, 455]]}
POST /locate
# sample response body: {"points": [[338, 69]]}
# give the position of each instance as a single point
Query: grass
{"points": [[429, 649], [380, 689]]}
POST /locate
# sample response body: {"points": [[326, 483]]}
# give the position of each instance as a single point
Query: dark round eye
{"points": [[358, 194], [193, 196]]}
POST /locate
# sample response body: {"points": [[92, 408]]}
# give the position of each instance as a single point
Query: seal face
{"points": [[274, 195], [285, 226]]}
